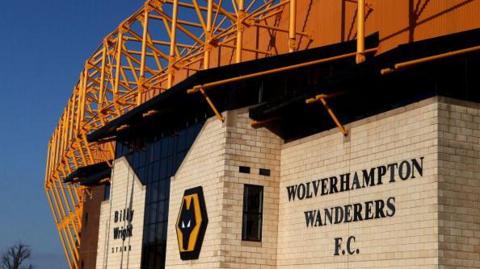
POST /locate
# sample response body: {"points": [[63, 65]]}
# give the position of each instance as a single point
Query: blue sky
{"points": [[43, 46]]}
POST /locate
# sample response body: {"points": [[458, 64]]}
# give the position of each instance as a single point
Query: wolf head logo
{"points": [[191, 224], [187, 222]]}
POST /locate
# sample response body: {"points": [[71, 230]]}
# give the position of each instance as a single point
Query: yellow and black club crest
{"points": [[191, 223]]}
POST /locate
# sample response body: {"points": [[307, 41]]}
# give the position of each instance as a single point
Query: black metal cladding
{"points": [[155, 159]]}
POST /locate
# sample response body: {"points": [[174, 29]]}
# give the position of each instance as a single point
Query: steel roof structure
{"points": [[167, 41]]}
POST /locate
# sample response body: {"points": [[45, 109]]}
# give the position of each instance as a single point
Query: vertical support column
{"points": [[71, 241], [81, 99], [292, 42], [83, 94], [67, 255], [173, 44], [208, 36], [102, 77], [360, 32], [146, 11], [118, 60], [47, 163], [240, 16]]}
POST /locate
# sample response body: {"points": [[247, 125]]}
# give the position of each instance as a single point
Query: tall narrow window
{"points": [[106, 192], [252, 213]]}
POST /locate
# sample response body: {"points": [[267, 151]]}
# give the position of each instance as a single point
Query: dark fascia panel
{"points": [[430, 47], [95, 179], [179, 91], [405, 52], [89, 172]]}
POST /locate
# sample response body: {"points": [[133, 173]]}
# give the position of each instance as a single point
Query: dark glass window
{"points": [[106, 192], [155, 160], [252, 213], [86, 219]]}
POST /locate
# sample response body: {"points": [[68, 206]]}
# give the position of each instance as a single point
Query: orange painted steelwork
{"points": [[166, 41]]}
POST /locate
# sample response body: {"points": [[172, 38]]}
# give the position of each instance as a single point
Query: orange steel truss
{"points": [[161, 44]]}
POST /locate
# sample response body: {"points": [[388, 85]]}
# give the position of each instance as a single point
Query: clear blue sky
{"points": [[43, 46]]}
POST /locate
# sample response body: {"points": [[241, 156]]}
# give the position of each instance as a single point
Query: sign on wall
{"points": [[382, 207], [191, 223]]}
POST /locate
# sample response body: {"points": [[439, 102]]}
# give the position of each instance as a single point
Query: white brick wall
{"points": [[437, 218], [126, 192], [407, 240], [202, 166], [459, 184]]}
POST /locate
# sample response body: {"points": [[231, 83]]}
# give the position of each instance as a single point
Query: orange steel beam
{"points": [[322, 99], [360, 31], [214, 84], [407, 64], [159, 45]]}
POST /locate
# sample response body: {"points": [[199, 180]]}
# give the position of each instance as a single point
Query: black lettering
{"points": [[381, 170], [333, 184], [301, 191], [324, 186], [404, 170], [328, 215], [316, 186], [338, 246], [318, 220], [357, 212], [418, 167], [130, 230], [309, 194], [116, 233], [291, 190], [379, 209], [355, 182], [392, 167], [338, 214], [310, 218], [348, 216], [345, 182], [350, 250], [368, 210], [368, 177], [391, 206]]}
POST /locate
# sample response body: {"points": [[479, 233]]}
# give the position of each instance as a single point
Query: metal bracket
{"points": [[209, 101], [259, 124], [322, 98]]}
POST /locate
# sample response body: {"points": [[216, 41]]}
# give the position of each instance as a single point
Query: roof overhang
{"points": [[89, 175], [176, 101]]}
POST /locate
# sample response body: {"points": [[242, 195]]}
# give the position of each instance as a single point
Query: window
{"points": [[252, 213], [106, 192], [86, 219]]}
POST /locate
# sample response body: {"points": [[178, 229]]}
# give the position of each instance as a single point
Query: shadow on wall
{"points": [[415, 12]]}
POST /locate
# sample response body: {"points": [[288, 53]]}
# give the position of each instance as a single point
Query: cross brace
{"points": [[210, 103], [322, 98]]}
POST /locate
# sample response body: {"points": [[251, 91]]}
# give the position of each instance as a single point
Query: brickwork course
{"points": [[436, 219]]}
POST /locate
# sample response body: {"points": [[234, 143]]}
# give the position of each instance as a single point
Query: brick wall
{"points": [[459, 184], [202, 166], [127, 192], [409, 239], [90, 227], [254, 148], [213, 163], [437, 218]]}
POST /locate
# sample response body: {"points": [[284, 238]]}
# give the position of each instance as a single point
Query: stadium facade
{"points": [[353, 143]]}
